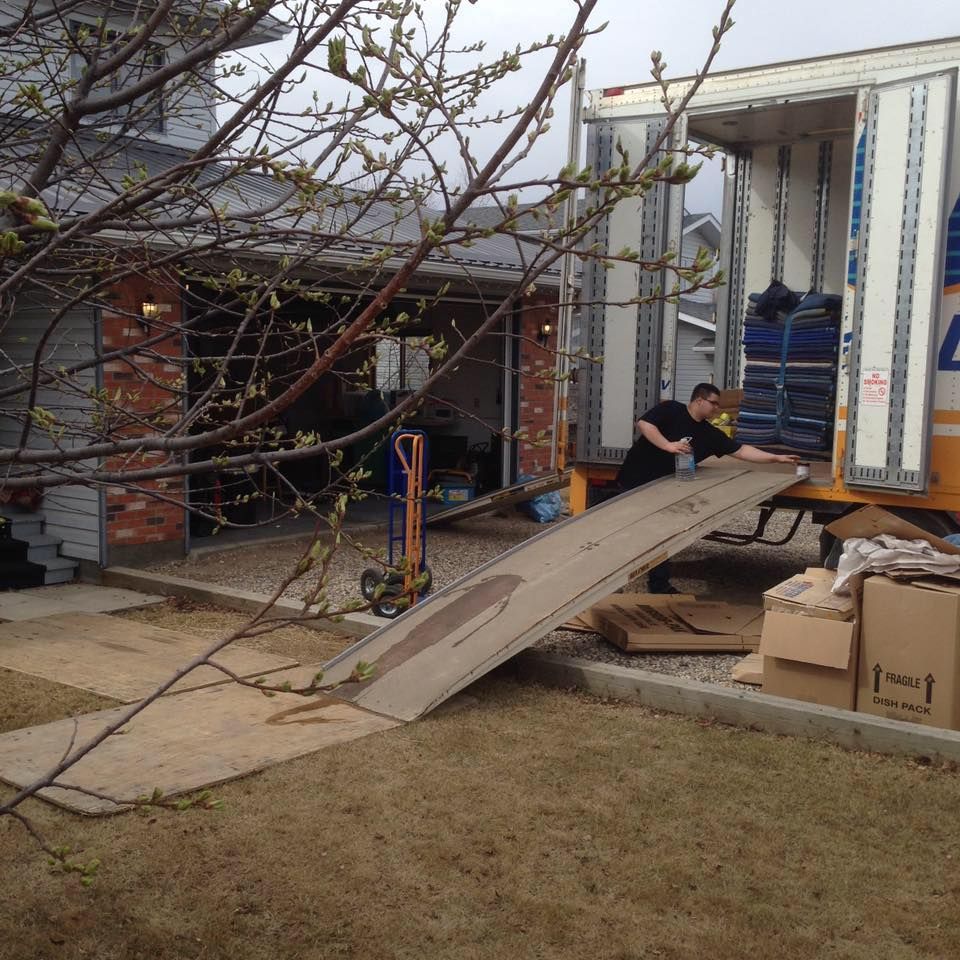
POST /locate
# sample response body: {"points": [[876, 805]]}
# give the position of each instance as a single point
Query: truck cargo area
{"points": [[840, 177]]}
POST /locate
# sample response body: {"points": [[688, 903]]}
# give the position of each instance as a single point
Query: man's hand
{"points": [[678, 446], [787, 458]]}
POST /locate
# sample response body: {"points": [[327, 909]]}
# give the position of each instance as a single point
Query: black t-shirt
{"points": [[645, 462]]}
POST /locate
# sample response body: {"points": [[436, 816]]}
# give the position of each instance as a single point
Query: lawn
{"points": [[526, 823]]}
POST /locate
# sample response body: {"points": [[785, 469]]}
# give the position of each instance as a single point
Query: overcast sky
{"points": [[766, 31]]}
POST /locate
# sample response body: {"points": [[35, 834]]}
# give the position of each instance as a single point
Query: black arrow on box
{"points": [[929, 681], [877, 670]]}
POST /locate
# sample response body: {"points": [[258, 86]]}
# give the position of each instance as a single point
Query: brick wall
{"points": [[537, 386], [135, 519]]}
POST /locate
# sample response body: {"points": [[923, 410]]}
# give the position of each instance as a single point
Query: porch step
{"points": [[59, 570], [28, 556], [21, 526]]}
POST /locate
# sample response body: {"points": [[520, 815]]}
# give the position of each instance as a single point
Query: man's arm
{"points": [[756, 455], [653, 435]]}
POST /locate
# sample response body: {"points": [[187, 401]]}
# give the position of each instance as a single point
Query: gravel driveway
{"points": [[707, 570]]}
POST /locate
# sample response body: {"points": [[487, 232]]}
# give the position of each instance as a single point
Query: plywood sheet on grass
{"points": [[465, 630], [181, 744], [69, 597], [117, 658]]}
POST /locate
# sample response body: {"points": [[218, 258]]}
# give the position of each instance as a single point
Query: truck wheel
{"points": [[830, 550]]}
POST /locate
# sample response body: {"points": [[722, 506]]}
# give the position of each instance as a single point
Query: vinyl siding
{"points": [[72, 512], [189, 119], [692, 242], [692, 368]]}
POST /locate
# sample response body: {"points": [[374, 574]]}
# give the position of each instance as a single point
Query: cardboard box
{"points": [[872, 521], [590, 620], [810, 658], [910, 659], [639, 623], [810, 594], [749, 670]]}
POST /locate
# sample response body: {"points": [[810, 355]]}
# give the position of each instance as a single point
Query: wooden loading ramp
{"points": [[507, 497], [458, 634]]}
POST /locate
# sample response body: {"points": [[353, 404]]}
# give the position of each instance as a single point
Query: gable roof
{"points": [[355, 226]]}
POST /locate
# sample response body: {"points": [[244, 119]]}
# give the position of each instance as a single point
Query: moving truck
{"points": [[841, 175]]}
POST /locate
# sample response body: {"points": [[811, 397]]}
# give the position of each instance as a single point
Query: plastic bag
{"points": [[543, 509]]}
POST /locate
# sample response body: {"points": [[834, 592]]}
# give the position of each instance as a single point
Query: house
{"points": [[697, 327], [99, 524]]}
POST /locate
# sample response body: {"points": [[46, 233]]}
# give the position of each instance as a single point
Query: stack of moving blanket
{"points": [[789, 388]]}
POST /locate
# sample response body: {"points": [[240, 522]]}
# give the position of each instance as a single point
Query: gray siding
{"points": [[692, 368], [72, 512], [190, 116], [692, 241]]}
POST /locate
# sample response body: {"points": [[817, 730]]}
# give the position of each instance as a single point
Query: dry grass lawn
{"points": [[528, 824]]}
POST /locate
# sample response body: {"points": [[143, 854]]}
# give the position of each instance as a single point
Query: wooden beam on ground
{"points": [[742, 708], [507, 497], [466, 629]]}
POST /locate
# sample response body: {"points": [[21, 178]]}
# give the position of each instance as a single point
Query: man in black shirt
{"points": [[671, 428]]}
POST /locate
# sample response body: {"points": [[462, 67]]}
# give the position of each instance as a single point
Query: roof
{"points": [[706, 224], [347, 228], [697, 310]]}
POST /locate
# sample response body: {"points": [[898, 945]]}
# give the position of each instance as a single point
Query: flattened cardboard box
{"points": [[654, 624], [810, 594], [749, 670], [910, 656], [809, 658], [590, 620], [872, 521]]}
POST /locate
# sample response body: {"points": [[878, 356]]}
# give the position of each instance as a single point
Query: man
{"points": [[663, 434]]}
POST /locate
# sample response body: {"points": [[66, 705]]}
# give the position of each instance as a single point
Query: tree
{"points": [[282, 235]]}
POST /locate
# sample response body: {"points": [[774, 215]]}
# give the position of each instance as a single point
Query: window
{"points": [[402, 364], [149, 110]]}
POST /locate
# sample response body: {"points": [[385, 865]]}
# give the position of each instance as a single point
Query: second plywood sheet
{"points": [[68, 598], [117, 658]]}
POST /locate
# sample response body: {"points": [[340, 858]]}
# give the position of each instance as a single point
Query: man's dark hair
{"points": [[704, 391]]}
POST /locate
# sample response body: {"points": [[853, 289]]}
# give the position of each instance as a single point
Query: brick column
{"points": [[537, 386], [139, 527]]}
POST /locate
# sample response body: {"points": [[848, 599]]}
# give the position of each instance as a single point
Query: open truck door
{"points": [[636, 340], [898, 246]]}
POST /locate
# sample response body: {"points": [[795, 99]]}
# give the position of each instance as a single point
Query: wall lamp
{"points": [[149, 311], [543, 334]]}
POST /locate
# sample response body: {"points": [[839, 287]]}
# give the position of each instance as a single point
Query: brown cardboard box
{"points": [[748, 670], [810, 658], [640, 623], [591, 619], [872, 521], [810, 594], [911, 652]]}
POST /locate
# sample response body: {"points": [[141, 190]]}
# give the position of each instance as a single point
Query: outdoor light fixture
{"points": [[149, 311], [543, 334]]}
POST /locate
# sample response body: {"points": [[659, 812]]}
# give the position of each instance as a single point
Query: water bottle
{"points": [[686, 465]]}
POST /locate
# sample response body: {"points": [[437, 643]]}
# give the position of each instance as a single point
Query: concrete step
{"points": [[59, 570], [25, 526], [43, 548]]}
